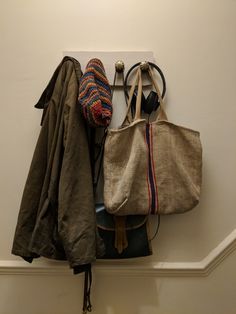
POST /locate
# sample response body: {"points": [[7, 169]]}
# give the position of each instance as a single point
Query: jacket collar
{"points": [[47, 93]]}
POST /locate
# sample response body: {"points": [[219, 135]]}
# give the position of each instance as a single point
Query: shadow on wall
{"points": [[41, 294], [113, 295], [178, 237], [64, 295]]}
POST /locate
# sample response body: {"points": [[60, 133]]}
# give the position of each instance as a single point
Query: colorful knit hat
{"points": [[95, 95]]}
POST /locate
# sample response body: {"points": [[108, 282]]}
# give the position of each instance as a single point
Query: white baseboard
{"points": [[129, 268]]}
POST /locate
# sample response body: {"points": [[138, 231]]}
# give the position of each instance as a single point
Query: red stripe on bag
{"points": [[147, 175]]}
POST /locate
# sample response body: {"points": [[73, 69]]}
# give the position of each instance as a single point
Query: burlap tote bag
{"points": [[151, 168]]}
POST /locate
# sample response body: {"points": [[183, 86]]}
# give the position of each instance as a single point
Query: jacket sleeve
{"points": [[76, 213]]}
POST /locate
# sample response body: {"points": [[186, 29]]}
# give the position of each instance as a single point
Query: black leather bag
{"points": [[123, 237]]}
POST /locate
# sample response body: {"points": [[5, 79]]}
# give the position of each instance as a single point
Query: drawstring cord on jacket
{"points": [[87, 307]]}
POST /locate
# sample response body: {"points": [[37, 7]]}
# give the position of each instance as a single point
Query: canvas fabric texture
{"points": [[151, 168]]}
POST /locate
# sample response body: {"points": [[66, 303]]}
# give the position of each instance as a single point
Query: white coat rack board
{"points": [[109, 59]]}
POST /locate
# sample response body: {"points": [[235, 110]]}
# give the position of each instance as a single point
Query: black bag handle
{"points": [[143, 65], [152, 102]]}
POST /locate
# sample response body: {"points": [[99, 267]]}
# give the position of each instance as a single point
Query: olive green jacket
{"points": [[57, 215]]}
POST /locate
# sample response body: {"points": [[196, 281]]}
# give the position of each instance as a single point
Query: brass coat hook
{"points": [[120, 66], [144, 65]]}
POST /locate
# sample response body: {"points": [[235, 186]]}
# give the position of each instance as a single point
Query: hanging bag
{"points": [[151, 168], [123, 236]]}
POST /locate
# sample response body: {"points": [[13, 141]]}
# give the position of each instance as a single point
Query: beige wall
{"points": [[194, 43]]}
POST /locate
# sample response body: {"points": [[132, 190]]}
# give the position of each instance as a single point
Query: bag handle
{"points": [[161, 115], [139, 96], [137, 81]]}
